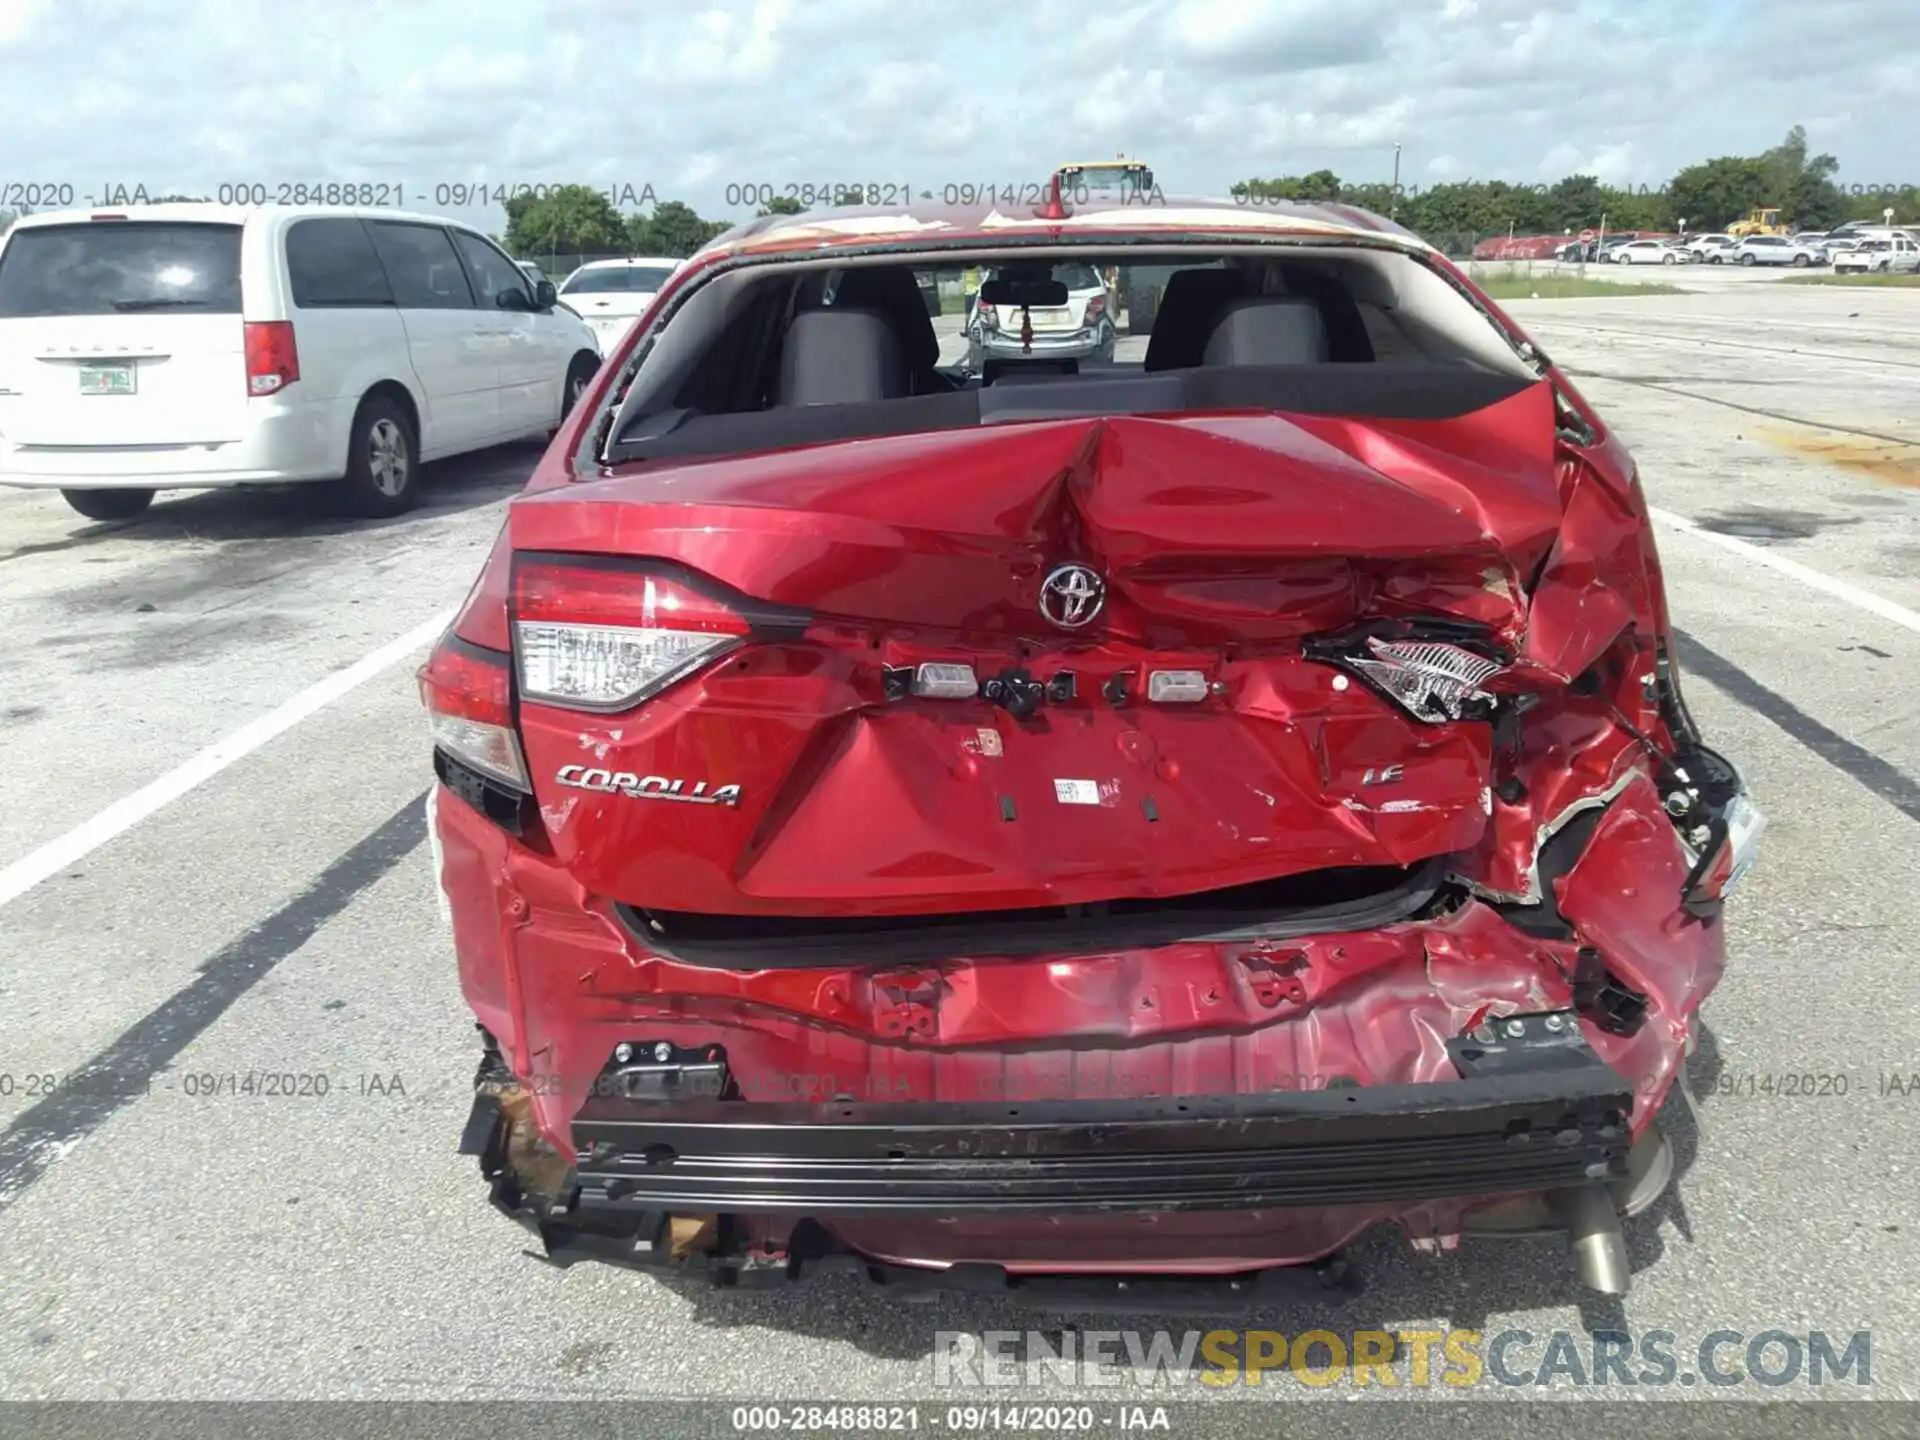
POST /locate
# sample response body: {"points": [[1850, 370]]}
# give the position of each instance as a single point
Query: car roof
{"points": [[628, 261], [1135, 222], [207, 213]]}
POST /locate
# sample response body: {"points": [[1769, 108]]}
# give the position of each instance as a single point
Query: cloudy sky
{"points": [[690, 96]]}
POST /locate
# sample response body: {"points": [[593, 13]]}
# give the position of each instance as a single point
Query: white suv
{"points": [[1776, 250], [199, 346]]}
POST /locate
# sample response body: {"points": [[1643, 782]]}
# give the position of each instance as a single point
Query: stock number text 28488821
{"points": [[822, 194]]}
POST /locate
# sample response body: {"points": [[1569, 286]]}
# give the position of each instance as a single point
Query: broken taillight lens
{"points": [[1431, 680], [608, 639], [470, 710]]}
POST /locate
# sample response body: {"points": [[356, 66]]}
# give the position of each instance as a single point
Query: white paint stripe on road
{"points": [[125, 813], [1805, 574]]}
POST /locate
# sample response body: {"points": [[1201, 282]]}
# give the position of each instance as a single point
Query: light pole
{"points": [[1393, 200]]}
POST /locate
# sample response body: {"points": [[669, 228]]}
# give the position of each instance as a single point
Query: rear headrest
{"points": [[1268, 330], [1188, 308], [892, 290], [841, 357]]}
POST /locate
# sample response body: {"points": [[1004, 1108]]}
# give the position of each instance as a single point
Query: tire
{"points": [[1800, 262], [1748, 260], [109, 504], [579, 375], [383, 461], [1669, 259]]}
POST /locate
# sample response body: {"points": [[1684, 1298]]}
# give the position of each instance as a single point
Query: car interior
{"points": [[802, 355]]}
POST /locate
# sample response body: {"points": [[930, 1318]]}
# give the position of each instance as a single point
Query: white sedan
{"points": [[611, 294], [1650, 252], [1712, 249]]}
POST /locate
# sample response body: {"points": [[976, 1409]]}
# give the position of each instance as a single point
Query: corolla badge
{"points": [[646, 787], [1071, 596]]}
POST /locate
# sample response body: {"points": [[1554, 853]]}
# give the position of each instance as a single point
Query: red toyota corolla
{"points": [[1076, 827]]}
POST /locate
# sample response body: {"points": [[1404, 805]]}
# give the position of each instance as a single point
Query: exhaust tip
{"points": [[1594, 1236]]}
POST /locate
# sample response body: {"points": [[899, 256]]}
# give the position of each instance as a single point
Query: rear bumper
{"points": [[771, 1189], [1002, 345], [295, 442], [1024, 1113]]}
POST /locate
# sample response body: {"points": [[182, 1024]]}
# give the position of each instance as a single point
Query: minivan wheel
{"points": [[579, 376], [109, 504], [383, 461]]}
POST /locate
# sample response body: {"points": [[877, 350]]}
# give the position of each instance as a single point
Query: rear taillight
{"points": [[607, 639], [273, 362], [989, 317], [1096, 307], [468, 695], [1432, 679]]}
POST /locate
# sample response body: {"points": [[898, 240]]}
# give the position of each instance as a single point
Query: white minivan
{"points": [[195, 346]]}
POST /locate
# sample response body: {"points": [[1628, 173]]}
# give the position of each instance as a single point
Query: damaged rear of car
{"points": [[1056, 832]]}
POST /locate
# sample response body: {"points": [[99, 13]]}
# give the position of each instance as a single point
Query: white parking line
{"points": [[125, 813], [1805, 574]]}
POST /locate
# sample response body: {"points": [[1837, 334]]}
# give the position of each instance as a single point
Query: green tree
{"points": [[1805, 183], [782, 205], [1715, 193], [1320, 185], [568, 220], [674, 229]]}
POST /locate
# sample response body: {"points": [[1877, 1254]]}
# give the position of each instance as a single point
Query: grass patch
{"points": [[1567, 287], [1896, 282]]}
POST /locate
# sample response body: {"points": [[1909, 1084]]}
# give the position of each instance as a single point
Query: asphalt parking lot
{"points": [[277, 916]]}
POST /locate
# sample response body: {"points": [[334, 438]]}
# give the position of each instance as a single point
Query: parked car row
{"points": [[1883, 249]]}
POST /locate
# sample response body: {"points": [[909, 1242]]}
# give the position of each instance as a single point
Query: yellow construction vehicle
{"points": [[1765, 220]]}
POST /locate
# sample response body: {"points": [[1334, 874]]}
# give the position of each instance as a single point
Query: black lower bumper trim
{"points": [[673, 1186], [1515, 1131]]}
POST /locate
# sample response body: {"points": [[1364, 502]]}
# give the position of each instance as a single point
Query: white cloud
{"points": [[196, 93]]}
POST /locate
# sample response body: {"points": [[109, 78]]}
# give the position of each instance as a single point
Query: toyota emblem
{"points": [[1071, 596]]}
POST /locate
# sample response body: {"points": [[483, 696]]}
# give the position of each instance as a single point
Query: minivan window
{"points": [[421, 266], [494, 275], [106, 267], [332, 262]]}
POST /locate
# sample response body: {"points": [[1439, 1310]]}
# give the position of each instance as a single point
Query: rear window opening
{"points": [[1311, 903], [120, 267], [781, 353]]}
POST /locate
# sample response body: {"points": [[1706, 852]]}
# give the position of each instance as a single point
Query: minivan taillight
{"points": [[590, 638], [273, 362]]}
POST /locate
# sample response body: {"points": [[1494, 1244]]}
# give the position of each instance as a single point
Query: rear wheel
{"points": [[383, 461], [109, 504]]}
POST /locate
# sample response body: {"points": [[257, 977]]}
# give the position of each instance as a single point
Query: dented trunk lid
{"points": [[1223, 541]]}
